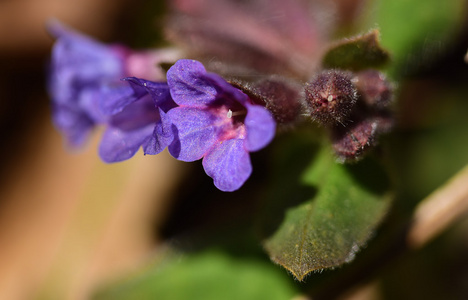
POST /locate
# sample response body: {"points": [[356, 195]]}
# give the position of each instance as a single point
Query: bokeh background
{"points": [[70, 223], [67, 220]]}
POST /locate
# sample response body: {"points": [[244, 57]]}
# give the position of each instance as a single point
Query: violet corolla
{"points": [[79, 67], [217, 122], [86, 89], [196, 114], [137, 119]]}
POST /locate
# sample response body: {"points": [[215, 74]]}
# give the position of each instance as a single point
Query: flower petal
{"points": [[195, 132], [118, 145], [260, 127], [115, 97], [162, 136], [188, 84], [136, 115], [73, 124], [79, 61], [229, 165], [191, 85], [159, 91]]}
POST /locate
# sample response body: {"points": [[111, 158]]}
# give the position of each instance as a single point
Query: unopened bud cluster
{"points": [[374, 89], [331, 96], [354, 106]]}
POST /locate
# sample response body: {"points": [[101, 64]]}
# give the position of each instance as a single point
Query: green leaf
{"points": [[209, 275], [416, 31], [319, 218], [357, 53]]}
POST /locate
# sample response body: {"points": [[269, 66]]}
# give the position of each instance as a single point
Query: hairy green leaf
{"points": [[357, 53], [320, 217]]}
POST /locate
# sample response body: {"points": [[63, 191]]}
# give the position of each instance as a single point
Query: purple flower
{"points": [[85, 85], [217, 122], [136, 119], [78, 67]]}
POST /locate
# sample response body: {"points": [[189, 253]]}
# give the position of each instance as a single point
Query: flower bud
{"points": [[352, 141], [330, 96], [374, 89]]}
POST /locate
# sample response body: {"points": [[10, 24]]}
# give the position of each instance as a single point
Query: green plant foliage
{"points": [[320, 217], [415, 31], [434, 145], [210, 275], [357, 53]]}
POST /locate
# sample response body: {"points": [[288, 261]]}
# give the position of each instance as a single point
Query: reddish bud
{"points": [[374, 89], [331, 96], [351, 142]]}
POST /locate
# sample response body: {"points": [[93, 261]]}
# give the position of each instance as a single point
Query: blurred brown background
{"points": [[68, 222]]}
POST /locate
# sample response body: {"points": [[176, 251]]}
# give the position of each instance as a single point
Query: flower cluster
{"points": [[195, 114]]}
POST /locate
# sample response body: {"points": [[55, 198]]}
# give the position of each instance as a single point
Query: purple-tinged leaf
{"points": [[266, 36]]}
